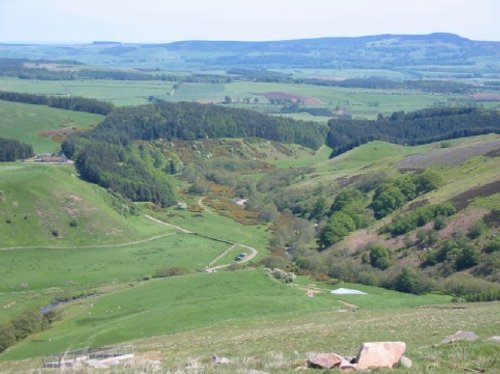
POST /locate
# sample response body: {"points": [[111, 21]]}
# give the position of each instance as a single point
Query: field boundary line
{"points": [[92, 246], [252, 255]]}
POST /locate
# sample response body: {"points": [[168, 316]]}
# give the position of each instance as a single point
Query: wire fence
{"points": [[71, 358]]}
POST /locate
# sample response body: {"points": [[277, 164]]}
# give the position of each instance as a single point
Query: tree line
{"points": [[374, 82], [17, 68], [11, 150], [76, 103], [191, 121], [419, 127]]}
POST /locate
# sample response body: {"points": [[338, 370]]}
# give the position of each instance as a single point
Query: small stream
{"points": [[56, 304]]}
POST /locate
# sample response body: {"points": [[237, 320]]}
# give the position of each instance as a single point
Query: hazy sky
{"points": [[164, 21]]}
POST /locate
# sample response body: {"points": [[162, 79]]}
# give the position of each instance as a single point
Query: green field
{"points": [[117, 92], [179, 304], [362, 103], [44, 268], [26, 123]]}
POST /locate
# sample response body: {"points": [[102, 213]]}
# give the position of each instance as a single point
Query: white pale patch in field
{"points": [[347, 291]]}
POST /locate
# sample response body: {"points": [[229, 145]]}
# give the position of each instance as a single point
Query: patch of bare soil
{"points": [[360, 239], [294, 98], [416, 204], [448, 156], [59, 134], [493, 218], [493, 153], [464, 199], [346, 181], [486, 96], [462, 222]]}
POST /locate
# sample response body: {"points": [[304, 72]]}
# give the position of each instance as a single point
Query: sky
{"points": [[157, 21]]}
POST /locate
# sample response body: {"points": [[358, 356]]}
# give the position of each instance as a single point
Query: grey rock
{"points": [[325, 360], [469, 336], [405, 362], [220, 360], [495, 339]]}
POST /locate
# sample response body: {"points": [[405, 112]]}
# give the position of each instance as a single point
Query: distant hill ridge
{"points": [[311, 44], [328, 52]]}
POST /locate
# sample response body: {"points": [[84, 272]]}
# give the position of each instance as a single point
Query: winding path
{"points": [[247, 258], [253, 252], [168, 224]]}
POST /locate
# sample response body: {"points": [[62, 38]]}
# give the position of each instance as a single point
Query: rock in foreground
{"points": [[379, 355]]}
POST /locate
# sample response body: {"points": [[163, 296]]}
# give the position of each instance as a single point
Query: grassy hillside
{"points": [[238, 298], [282, 346], [91, 267], [48, 205], [40, 126]]}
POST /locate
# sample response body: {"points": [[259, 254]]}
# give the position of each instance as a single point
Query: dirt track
{"points": [[253, 251]]}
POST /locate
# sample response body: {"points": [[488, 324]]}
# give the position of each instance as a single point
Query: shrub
{"points": [[27, 323], [170, 272], [283, 275], [471, 288], [427, 181], [7, 337], [345, 198], [457, 253], [339, 225], [198, 188], [419, 217], [386, 200], [380, 257], [477, 229], [273, 262], [440, 222], [493, 245], [346, 269], [412, 281], [427, 238]]}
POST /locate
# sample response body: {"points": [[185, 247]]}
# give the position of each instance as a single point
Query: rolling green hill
{"points": [[48, 205]]}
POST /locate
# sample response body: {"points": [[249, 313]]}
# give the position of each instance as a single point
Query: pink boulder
{"points": [[380, 355]]}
